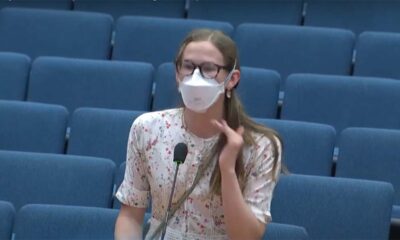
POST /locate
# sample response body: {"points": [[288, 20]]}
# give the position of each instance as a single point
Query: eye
{"points": [[186, 68], [209, 69]]}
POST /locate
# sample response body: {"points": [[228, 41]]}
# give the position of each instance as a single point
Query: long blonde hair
{"points": [[234, 113]]}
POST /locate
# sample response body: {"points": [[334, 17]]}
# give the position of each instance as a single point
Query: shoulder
{"points": [[267, 146], [261, 140], [150, 120]]}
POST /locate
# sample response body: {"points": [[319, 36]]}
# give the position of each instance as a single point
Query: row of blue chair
{"points": [[308, 147], [314, 207], [27, 177], [340, 101], [44, 221], [355, 15], [77, 83], [104, 133], [286, 49]]}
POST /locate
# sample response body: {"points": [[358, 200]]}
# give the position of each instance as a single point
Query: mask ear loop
{"points": [[228, 92]]}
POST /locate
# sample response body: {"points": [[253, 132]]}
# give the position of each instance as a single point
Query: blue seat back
{"points": [[342, 101], [50, 4], [39, 32], [396, 212], [258, 90], [7, 213], [40, 221], [334, 208], [378, 55], [118, 8], [155, 40], [76, 83], [14, 72], [101, 133], [254, 11], [307, 147], [32, 127], [295, 49], [55, 179], [370, 154], [355, 15], [166, 94], [280, 231]]}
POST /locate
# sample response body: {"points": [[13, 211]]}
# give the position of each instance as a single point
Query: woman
{"points": [[224, 188]]}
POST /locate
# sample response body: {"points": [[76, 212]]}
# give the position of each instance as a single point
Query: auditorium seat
{"points": [[166, 94], [7, 213], [39, 32], [378, 55], [372, 154], [32, 127], [155, 40], [255, 11], [50, 4], [14, 73], [355, 15], [342, 101], [76, 83], [279, 231], [258, 90], [118, 8], [295, 49], [334, 208], [396, 212], [101, 133], [55, 179], [41, 221], [307, 147]]}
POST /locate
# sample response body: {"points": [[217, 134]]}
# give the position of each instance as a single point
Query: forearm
{"points": [[129, 224], [240, 220]]}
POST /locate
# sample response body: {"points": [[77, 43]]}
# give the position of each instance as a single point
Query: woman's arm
{"points": [[241, 223], [129, 223]]}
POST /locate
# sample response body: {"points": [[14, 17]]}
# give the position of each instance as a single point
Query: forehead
{"points": [[203, 51]]}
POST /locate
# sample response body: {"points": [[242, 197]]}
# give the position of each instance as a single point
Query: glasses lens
{"points": [[186, 68], [209, 70]]}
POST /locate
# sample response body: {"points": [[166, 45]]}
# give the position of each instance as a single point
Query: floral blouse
{"points": [[150, 171]]}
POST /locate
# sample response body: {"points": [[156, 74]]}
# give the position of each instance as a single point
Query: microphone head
{"points": [[180, 152]]}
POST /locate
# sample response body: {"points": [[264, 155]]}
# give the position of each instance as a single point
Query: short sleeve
{"points": [[135, 190], [262, 178]]}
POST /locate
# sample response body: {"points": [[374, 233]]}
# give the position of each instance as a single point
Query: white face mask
{"points": [[199, 93]]}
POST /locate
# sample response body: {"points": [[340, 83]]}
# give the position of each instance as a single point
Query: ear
{"points": [[235, 78]]}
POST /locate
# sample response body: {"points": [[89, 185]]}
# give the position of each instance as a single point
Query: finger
{"points": [[217, 124], [240, 130], [223, 126]]}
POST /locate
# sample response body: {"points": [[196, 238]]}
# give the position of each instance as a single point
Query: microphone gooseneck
{"points": [[180, 153]]}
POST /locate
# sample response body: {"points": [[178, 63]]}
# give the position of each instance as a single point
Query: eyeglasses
{"points": [[207, 69]]}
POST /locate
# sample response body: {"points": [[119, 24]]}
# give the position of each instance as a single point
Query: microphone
{"points": [[180, 153]]}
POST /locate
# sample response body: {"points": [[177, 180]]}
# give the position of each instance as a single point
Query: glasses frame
{"points": [[200, 67]]}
